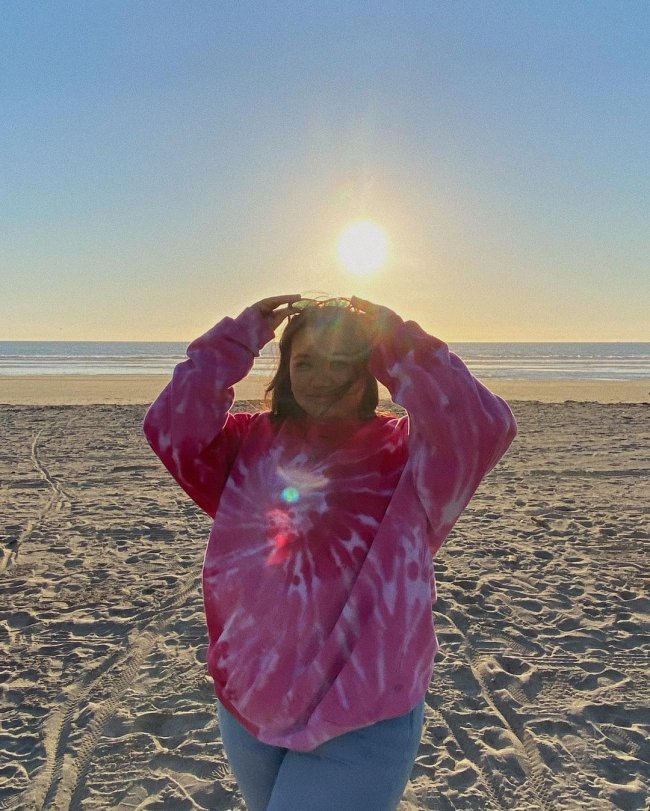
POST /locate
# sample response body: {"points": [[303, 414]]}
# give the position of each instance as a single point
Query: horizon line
{"points": [[187, 342]]}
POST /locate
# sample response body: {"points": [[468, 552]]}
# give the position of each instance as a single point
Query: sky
{"points": [[165, 164]]}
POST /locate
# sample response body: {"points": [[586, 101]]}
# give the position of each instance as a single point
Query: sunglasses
{"points": [[307, 303]]}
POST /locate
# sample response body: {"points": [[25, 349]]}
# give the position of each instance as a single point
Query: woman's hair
{"points": [[355, 333]]}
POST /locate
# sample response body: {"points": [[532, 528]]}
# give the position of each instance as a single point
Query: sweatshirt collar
{"points": [[330, 429]]}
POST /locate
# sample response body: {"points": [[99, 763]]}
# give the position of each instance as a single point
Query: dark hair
{"points": [[356, 333]]}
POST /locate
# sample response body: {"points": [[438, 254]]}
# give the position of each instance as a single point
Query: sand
{"points": [[541, 696], [134, 389]]}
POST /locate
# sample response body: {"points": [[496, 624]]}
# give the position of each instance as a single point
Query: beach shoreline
{"points": [[143, 389]]}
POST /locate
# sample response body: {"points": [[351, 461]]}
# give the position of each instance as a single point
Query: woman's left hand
{"points": [[381, 317]]}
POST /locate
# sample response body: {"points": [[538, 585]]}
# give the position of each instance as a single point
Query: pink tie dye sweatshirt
{"points": [[318, 578]]}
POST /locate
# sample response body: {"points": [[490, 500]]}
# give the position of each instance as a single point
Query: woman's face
{"points": [[320, 365]]}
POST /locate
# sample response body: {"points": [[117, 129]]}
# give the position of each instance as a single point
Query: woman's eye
{"points": [[339, 365]]}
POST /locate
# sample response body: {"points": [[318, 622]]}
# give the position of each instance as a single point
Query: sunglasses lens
{"points": [[304, 303]]}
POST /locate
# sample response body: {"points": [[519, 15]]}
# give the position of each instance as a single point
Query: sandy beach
{"points": [[540, 699], [135, 389]]}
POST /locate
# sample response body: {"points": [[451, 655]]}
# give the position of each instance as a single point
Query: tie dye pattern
{"points": [[318, 576]]}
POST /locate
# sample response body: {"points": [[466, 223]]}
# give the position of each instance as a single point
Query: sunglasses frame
{"points": [[339, 301]]}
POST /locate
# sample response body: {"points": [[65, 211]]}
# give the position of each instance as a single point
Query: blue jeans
{"points": [[363, 770]]}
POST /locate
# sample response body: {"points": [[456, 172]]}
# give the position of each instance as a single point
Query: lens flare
{"points": [[290, 495]]}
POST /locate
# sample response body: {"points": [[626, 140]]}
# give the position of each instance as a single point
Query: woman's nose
{"points": [[322, 376]]}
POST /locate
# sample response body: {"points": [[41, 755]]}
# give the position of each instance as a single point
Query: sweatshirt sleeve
{"points": [[458, 429], [189, 425]]}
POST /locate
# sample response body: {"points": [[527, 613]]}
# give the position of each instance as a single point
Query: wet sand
{"points": [[133, 389], [540, 699]]}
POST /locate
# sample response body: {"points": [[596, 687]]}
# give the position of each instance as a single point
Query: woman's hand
{"points": [[381, 318], [272, 309]]}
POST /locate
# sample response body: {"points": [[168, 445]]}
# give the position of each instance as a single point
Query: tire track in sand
{"points": [[465, 744], [57, 730], [532, 762], [57, 498], [62, 788]]}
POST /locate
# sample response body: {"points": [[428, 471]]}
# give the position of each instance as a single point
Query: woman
{"points": [[318, 578]]}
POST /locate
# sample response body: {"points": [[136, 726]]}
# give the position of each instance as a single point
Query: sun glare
{"points": [[363, 248]]}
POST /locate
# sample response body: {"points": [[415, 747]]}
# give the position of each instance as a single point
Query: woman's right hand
{"points": [[272, 309]]}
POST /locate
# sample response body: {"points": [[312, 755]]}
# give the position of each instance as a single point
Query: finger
{"points": [[278, 316], [369, 308], [281, 314], [363, 304], [269, 304]]}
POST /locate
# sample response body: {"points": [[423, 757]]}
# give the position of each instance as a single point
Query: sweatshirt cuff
{"points": [[250, 330], [400, 337]]}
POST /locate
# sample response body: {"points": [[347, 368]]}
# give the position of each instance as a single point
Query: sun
{"points": [[363, 247]]}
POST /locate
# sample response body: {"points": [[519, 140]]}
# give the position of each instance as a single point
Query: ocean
{"points": [[521, 361]]}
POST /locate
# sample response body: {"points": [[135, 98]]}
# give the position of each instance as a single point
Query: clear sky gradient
{"points": [[164, 164]]}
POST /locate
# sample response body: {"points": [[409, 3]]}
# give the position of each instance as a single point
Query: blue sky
{"points": [[165, 164]]}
